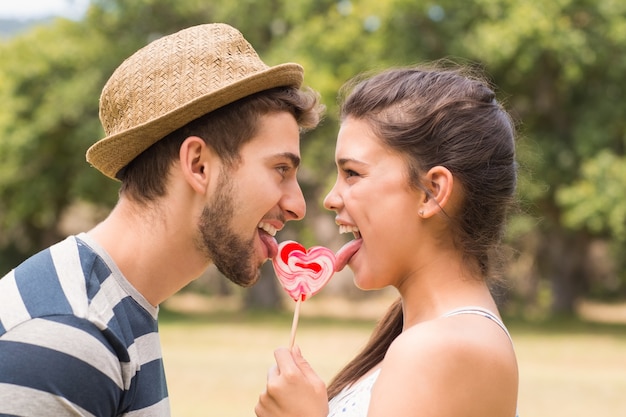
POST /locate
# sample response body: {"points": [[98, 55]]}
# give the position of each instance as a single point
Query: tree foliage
{"points": [[46, 121], [558, 67]]}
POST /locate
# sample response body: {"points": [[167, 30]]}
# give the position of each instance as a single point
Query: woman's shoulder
{"points": [[453, 359], [470, 340]]}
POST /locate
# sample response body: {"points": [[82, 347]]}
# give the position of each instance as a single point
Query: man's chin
{"points": [[250, 282], [243, 279]]}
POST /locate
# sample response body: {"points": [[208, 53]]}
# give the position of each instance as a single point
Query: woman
{"points": [[426, 176]]}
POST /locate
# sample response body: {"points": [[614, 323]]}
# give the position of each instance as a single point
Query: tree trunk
{"points": [[565, 256]]}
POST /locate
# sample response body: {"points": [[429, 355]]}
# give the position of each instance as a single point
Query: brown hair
{"points": [[436, 116], [226, 130]]}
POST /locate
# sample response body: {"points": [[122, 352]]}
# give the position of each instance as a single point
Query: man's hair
{"points": [[226, 130]]}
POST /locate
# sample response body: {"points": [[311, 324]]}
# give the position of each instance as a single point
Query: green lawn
{"points": [[217, 362]]}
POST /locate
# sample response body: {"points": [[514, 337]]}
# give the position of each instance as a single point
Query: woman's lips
{"points": [[346, 252]]}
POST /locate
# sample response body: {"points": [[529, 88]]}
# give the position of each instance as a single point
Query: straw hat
{"points": [[174, 80]]}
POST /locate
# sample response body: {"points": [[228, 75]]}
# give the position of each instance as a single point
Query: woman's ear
{"points": [[439, 183], [195, 157]]}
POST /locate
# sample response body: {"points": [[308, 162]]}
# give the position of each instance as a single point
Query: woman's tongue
{"points": [[345, 253], [270, 243]]}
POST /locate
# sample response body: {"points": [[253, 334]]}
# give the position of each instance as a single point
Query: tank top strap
{"points": [[481, 312]]}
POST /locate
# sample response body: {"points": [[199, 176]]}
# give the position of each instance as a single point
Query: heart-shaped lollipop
{"points": [[302, 273]]}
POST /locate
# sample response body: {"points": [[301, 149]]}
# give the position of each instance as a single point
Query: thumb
{"points": [[304, 365], [317, 384]]}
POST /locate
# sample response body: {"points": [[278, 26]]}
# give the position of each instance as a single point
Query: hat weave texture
{"points": [[174, 80]]}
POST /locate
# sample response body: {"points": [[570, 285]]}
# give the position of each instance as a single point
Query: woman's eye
{"points": [[350, 173]]}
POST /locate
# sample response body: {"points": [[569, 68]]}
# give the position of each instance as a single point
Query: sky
{"points": [[34, 9]]}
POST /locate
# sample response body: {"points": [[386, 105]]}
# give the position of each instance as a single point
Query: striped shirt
{"points": [[76, 339]]}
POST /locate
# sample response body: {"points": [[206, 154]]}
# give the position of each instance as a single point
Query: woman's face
{"points": [[373, 199]]}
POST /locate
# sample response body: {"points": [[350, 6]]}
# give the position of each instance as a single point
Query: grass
{"points": [[217, 361], [571, 368]]}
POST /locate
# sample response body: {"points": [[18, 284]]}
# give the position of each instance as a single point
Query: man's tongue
{"points": [[345, 253], [270, 244]]}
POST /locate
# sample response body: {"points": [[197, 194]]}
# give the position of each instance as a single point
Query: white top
{"points": [[354, 400]]}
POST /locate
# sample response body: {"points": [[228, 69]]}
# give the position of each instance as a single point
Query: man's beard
{"points": [[230, 253]]}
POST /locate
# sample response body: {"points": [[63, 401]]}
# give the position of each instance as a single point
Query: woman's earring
{"points": [[421, 212]]}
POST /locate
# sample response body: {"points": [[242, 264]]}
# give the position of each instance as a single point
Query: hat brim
{"points": [[114, 152]]}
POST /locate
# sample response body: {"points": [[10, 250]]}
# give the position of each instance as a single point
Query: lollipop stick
{"points": [[294, 324]]}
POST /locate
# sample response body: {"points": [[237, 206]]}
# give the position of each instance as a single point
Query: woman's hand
{"points": [[293, 388]]}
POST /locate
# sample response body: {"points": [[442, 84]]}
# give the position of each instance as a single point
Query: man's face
{"points": [[254, 200]]}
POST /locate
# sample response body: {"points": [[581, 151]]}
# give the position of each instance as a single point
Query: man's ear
{"points": [[439, 182], [195, 158]]}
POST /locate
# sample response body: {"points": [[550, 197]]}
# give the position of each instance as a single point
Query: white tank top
{"points": [[354, 400]]}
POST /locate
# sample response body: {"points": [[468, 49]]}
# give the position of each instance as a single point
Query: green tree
{"points": [[48, 116], [562, 64], [559, 67]]}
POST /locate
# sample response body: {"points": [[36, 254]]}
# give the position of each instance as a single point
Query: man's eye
{"points": [[283, 169]]}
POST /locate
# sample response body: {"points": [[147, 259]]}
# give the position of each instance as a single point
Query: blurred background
{"points": [[558, 66]]}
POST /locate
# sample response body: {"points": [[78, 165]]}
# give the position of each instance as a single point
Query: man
{"points": [[204, 138]]}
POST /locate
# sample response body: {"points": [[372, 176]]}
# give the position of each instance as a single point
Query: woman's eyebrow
{"points": [[343, 161]]}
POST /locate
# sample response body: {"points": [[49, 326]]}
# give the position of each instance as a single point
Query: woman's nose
{"points": [[332, 201]]}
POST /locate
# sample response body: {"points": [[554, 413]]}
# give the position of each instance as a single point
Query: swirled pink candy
{"points": [[301, 272]]}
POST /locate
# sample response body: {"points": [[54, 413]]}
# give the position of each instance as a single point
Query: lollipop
{"points": [[302, 273]]}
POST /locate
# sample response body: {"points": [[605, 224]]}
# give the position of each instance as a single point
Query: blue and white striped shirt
{"points": [[76, 339]]}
